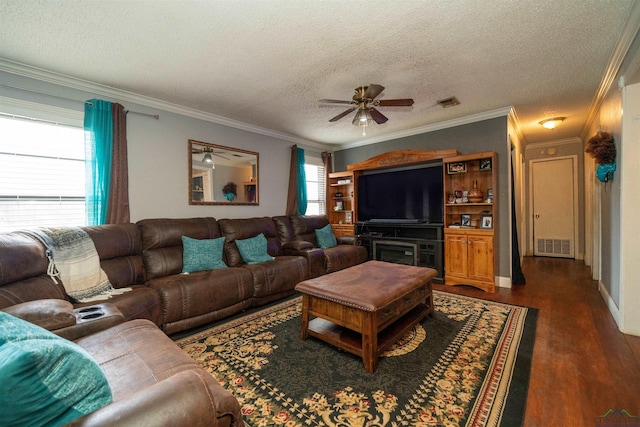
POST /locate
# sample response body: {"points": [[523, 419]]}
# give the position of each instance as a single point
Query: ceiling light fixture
{"points": [[363, 118], [552, 123], [209, 160]]}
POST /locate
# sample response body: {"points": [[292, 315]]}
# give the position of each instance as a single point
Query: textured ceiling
{"points": [[266, 63]]}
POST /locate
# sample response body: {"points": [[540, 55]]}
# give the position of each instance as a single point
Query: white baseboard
{"points": [[503, 282], [611, 305]]}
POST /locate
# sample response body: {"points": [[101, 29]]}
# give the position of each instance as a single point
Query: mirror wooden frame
{"points": [[208, 179]]}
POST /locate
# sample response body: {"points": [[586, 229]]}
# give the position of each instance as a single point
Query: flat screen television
{"points": [[405, 195]]}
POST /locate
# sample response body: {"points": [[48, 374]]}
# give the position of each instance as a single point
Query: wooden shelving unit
{"points": [[341, 202], [470, 226]]}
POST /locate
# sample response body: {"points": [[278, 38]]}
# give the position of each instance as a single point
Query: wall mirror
{"points": [[222, 175]]}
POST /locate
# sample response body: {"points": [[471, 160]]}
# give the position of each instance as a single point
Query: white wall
{"points": [[158, 153], [610, 120], [629, 160], [158, 167]]}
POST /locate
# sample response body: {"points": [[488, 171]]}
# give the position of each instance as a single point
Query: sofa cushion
{"points": [[325, 237], [274, 280], [46, 379], [120, 249], [162, 242], [254, 249], [244, 228], [190, 300], [200, 255], [304, 227], [344, 256]]}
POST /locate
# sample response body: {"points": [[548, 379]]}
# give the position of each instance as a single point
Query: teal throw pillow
{"points": [[45, 379], [325, 237], [200, 255], [254, 249]]}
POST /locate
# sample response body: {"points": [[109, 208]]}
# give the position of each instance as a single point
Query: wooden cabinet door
{"points": [[455, 248], [481, 258], [340, 230]]}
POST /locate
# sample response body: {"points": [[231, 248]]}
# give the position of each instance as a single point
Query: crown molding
{"points": [[126, 96], [515, 123], [627, 36], [501, 112], [554, 143]]}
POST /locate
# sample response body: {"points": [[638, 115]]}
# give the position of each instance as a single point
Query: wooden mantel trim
{"points": [[401, 158]]}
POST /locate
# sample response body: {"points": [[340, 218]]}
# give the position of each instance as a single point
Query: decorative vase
{"points": [[475, 194]]}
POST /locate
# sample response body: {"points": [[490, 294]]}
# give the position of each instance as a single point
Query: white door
{"points": [[554, 207]]}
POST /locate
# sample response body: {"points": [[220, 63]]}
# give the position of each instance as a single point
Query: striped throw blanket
{"points": [[74, 260]]}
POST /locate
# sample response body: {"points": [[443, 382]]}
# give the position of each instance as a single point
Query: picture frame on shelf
{"points": [[339, 206], [465, 220], [486, 221], [485, 164], [348, 217], [456, 167]]}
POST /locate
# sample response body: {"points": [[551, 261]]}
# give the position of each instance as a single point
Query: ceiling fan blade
{"points": [[395, 102], [226, 158], [377, 116], [335, 101], [341, 115], [373, 91]]}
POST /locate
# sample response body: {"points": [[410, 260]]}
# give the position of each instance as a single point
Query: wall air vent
{"points": [[449, 102], [554, 247]]}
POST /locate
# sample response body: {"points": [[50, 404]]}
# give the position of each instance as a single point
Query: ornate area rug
{"points": [[467, 366]]}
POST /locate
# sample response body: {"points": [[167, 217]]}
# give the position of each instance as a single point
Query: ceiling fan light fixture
{"points": [[552, 123], [209, 160], [363, 116]]}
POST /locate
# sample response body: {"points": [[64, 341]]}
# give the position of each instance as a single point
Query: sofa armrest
{"points": [[51, 314], [314, 256], [91, 319], [297, 245], [349, 240], [188, 398]]}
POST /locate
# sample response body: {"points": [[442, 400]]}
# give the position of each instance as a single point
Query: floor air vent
{"points": [[559, 247]]}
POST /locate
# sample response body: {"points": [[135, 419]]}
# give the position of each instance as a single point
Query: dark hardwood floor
{"points": [[582, 364]]}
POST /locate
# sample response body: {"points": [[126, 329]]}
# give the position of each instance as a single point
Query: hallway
{"points": [[582, 365]]}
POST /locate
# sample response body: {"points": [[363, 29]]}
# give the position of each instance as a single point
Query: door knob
{"points": [[537, 216]]}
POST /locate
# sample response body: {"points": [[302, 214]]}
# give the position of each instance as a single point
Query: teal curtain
{"points": [[302, 184], [98, 144]]}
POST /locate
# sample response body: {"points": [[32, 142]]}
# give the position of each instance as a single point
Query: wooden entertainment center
{"points": [[461, 249]]}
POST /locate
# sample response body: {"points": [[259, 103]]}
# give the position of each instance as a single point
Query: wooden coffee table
{"points": [[366, 308]]}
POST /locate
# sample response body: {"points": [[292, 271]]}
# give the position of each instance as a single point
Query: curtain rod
{"points": [[155, 116]]}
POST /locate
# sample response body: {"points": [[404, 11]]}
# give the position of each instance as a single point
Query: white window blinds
{"points": [[42, 175], [316, 193]]}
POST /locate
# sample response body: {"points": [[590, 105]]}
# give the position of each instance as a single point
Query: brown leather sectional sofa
{"points": [[147, 257]]}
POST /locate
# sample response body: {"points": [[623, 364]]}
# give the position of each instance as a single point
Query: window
{"points": [[316, 199], [42, 174]]}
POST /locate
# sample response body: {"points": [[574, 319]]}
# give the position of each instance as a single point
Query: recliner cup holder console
{"points": [[92, 315], [89, 313]]}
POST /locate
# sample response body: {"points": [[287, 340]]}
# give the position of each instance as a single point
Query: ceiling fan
{"points": [[208, 152], [364, 101]]}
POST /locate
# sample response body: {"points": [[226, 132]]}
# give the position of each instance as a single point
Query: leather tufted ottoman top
{"points": [[368, 286]]}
